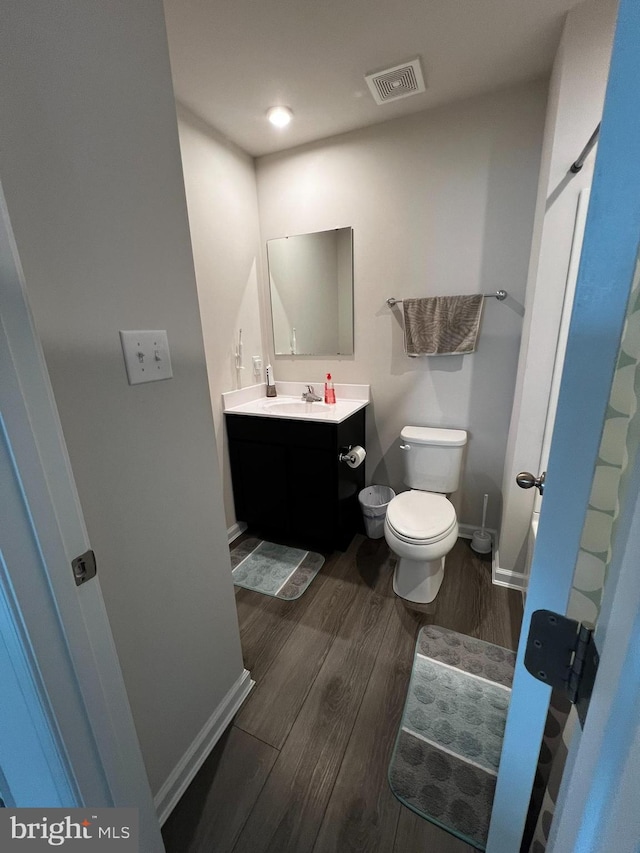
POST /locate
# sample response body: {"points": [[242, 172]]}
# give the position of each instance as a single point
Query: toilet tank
{"points": [[432, 458]]}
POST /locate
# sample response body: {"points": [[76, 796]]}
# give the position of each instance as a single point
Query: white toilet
{"points": [[421, 525]]}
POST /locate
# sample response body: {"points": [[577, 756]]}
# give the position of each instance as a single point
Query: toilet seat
{"points": [[421, 518]]}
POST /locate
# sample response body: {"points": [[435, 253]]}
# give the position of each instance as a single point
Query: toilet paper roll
{"points": [[355, 457]]}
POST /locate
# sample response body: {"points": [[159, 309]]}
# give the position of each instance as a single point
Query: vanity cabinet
{"points": [[288, 482]]}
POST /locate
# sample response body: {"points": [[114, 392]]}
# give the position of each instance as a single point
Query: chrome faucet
{"points": [[310, 396]]}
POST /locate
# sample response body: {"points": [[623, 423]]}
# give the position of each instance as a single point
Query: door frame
{"points": [[73, 666], [606, 271]]}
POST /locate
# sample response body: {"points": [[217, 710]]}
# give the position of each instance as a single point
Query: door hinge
{"points": [[561, 652], [84, 567]]}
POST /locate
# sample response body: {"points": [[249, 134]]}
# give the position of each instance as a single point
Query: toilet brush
{"points": [[481, 540]]}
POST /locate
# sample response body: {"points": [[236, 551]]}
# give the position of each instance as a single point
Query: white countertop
{"points": [[289, 404]]}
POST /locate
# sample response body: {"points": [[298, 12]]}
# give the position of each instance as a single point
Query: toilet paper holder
{"points": [[344, 453], [352, 455]]}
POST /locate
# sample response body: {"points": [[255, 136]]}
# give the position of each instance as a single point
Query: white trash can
{"points": [[374, 501]]}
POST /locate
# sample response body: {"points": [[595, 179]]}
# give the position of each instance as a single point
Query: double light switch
{"points": [[146, 355]]}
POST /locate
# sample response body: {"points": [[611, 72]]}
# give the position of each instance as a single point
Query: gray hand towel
{"points": [[441, 325]]}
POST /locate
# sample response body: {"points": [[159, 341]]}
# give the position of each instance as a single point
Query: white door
{"points": [[72, 739], [563, 332], [610, 250], [561, 348]]}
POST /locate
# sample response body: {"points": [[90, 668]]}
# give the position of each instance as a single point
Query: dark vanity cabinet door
{"points": [[288, 482], [259, 490]]}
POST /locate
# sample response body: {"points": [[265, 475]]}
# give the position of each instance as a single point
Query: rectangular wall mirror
{"points": [[311, 286]]}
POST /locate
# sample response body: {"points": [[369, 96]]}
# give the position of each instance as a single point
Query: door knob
{"points": [[527, 481]]}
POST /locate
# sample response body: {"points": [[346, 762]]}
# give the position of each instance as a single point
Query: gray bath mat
{"points": [[447, 752], [274, 569]]}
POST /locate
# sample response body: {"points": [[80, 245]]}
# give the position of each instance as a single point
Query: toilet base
{"points": [[418, 580]]}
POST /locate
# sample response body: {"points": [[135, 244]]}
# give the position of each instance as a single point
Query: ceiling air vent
{"points": [[397, 82]]}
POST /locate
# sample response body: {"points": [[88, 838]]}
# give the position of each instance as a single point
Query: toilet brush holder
{"points": [[481, 540]]}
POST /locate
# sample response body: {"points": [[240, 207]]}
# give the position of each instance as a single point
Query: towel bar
{"points": [[500, 295]]}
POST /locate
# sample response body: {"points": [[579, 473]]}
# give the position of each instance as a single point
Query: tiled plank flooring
{"points": [[303, 769]]}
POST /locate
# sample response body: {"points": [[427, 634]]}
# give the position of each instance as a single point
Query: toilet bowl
{"points": [[420, 528], [421, 525]]}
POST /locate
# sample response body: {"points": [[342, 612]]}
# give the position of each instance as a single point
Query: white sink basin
{"points": [[285, 407], [252, 401]]}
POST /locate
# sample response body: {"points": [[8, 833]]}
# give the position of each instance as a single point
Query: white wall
{"points": [[441, 202], [575, 107], [90, 165], [221, 194]]}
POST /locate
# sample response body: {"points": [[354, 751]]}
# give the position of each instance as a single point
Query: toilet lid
{"points": [[421, 517]]}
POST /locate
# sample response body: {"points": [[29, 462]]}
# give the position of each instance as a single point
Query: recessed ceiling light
{"points": [[279, 116]]}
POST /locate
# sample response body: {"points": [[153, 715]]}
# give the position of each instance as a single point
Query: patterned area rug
{"points": [[446, 757], [274, 569]]}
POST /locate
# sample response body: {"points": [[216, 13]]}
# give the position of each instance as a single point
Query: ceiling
{"points": [[233, 59]]}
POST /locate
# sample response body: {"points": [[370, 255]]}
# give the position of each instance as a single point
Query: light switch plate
{"points": [[146, 355]]}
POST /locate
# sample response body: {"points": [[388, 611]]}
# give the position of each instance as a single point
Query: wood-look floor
{"points": [[303, 768]]}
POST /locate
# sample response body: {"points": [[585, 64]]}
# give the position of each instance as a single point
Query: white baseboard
{"points": [[506, 577], [466, 531], [500, 577], [193, 759], [235, 530]]}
